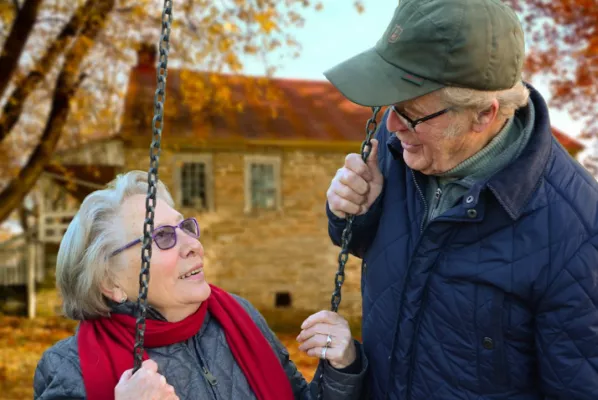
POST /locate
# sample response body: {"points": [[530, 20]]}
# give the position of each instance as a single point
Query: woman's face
{"points": [[171, 290]]}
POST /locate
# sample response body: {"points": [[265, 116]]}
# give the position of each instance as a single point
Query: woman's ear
{"points": [[113, 292], [486, 118]]}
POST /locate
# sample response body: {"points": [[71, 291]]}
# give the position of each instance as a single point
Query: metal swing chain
{"points": [[148, 226], [152, 179], [339, 278]]}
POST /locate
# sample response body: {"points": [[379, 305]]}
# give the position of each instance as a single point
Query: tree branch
{"points": [[66, 86], [26, 85], [15, 42]]}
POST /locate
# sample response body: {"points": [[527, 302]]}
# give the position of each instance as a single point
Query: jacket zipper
{"points": [[421, 194], [438, 194], [396, 329], [209, 377]]}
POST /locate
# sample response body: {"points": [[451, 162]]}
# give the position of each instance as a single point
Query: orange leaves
{"points": [[266, 20], [206, 36], [22, 343], [305, 364], [562, 40], [7, 14]]}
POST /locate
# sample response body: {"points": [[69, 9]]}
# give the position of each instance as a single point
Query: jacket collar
{"points": [[130, 308], [514, 184]]}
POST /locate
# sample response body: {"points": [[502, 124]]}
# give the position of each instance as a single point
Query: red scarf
{"points": [[106, 347]]}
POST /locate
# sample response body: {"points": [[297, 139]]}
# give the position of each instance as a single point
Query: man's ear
{"points": [[486, 118]]}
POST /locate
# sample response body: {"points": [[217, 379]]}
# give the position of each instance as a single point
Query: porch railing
{"points": [[53, 225]]}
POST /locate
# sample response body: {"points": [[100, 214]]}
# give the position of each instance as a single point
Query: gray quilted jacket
{"points": [[200, 368]]}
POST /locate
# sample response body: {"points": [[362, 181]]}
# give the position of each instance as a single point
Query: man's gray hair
{"points": [[83, 261], [475, 100]]}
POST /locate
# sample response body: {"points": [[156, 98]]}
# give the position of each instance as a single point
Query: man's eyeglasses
{"points": [[165, 235], [411, 124]]}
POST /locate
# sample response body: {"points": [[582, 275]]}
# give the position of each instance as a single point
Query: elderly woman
{"points": [[201, 342]]}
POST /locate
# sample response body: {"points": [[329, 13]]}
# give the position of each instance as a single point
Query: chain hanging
{"points": [[152, 179], [150, 203], [339, 278]]}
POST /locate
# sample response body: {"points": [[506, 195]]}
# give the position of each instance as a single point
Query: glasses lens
{"points": [[190, 227], [403, 118], [165, 237]]}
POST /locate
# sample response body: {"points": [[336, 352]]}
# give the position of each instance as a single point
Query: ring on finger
{"points": [[323, 354], [328, 340]]}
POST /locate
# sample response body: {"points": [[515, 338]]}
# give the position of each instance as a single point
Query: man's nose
{"points": [[394, 123]]}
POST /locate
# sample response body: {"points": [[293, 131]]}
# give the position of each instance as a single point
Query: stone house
{"points": [[255, 177]]}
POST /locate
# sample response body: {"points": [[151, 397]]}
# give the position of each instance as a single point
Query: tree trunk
{"points": [[15, 42], [66, 86], [23, 88]]}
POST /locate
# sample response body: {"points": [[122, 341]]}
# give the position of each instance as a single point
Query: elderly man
{"points": [[477, 230]]}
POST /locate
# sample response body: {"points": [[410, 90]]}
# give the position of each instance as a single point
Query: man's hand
{"points": [[357, 185]]}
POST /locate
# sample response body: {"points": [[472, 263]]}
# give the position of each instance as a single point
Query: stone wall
{"points": [[259, 254]]}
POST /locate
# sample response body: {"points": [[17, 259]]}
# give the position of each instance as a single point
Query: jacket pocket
{"points": [[491, 351]]}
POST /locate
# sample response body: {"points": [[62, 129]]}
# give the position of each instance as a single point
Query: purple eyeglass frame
{"points": [[140, 239]]}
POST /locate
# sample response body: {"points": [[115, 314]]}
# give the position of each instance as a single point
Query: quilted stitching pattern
{"points": [[58, 374], [502, 309]]}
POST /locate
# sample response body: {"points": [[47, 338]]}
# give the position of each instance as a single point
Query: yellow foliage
{"points": [[206, 35], [266, 22], [7, 12]]}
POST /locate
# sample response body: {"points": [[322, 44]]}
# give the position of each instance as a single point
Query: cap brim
{"points": [[369, 80]]}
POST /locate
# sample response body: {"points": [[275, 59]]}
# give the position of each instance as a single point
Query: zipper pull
{"points": [[438, 193], [209, 377]]}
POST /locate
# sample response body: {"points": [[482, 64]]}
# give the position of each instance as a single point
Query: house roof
{"points": [[275, 112], [270, 111]]}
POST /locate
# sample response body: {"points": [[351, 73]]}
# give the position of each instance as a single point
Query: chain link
{"points": [[150, 203], [339, 278], [152, 179]]}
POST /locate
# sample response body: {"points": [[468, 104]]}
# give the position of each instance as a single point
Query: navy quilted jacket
{"points": [[495, 299]]}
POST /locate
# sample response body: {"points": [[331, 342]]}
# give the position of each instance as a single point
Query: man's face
{"points": [[437, 145]]}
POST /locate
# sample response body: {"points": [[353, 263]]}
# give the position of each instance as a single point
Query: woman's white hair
{"points": [[509, 100], [83, 261]]}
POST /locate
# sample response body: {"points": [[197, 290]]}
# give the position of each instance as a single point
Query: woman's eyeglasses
{"points": [[165, 235]]}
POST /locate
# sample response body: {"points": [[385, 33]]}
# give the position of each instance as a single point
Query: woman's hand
{"points": [[316, 329], [146, 384]]}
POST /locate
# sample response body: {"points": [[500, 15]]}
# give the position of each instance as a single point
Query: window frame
{"points": [[194, 158], [275, 161]]}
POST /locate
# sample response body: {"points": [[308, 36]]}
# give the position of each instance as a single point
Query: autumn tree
{"points": [[64, 66], [562, 39]]}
